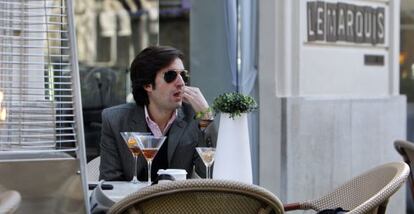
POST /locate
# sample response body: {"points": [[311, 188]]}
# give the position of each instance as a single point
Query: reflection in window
{"points": [[407, 50], [109, 35]]}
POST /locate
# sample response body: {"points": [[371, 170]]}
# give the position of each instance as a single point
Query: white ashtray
{"points": [[178, 174]]}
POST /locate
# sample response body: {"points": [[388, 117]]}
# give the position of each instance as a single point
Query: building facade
{"points": [[329, 94]]}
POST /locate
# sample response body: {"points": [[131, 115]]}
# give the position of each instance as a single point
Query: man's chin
{"points": [[178, 104]]}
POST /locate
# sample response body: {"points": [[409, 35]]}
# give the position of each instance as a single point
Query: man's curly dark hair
{"points": [[145, 67]]}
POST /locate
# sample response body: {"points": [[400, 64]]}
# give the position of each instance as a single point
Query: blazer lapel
{"points": [[137, 121], [176, 130]]}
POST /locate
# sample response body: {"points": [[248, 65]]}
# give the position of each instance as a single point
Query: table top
{"points": [[121, 189]]}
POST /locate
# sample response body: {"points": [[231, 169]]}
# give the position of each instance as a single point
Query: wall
{"points": [[328, 141], [331, 68], [325, 117]]}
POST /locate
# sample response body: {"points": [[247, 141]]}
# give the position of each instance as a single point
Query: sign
{"points": [[332, 22]]}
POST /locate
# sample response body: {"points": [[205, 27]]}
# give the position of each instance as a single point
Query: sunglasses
{"points": [[171, 75]]}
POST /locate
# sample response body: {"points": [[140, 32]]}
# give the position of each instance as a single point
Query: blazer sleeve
{"points": [[210, 135], [110, 167]]}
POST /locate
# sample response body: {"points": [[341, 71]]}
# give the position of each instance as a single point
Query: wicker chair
{"points": [[406, 149], [200, 196], [93, 169], [367, 193]]}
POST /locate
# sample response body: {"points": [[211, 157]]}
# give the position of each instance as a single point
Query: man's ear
{"points": [[148, 87]]}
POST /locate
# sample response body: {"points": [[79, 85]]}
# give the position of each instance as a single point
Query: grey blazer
{"points": [[184, 135]]}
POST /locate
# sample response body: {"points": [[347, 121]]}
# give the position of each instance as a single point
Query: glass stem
{"points": [[208, 172], [135, 179], [149, 172]]}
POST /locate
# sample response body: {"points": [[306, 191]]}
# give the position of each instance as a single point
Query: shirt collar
{"points": [[155, 129]]}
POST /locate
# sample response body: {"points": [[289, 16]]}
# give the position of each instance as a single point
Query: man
{"points": [[164, 106]]}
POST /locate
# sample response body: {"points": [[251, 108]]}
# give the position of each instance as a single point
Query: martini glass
{"points": [[130, 140], [149, 146], [207, 155]]}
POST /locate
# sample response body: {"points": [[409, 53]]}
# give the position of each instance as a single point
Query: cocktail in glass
{"points": [[130, 140], [149, 146], [207, 155]]}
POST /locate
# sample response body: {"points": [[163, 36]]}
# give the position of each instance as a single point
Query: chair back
{"points": [[406, 150], [366, 193], [93, 169], [200, 196]]}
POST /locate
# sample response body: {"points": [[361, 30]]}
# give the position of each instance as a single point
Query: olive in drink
{"points": [[133, 146]]}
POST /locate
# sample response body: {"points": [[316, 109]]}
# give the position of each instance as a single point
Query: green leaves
{"points": [[234, 103]]}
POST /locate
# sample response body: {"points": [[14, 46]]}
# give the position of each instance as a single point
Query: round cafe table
{"points": [[120, 189]]}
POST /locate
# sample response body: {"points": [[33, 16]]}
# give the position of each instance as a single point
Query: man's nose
{"points": [[180, 80]]}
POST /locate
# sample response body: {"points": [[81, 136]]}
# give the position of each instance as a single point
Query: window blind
{"points": [[39, 96]]}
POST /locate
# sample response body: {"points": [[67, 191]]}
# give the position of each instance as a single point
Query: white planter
{"points": [[233, 158]]}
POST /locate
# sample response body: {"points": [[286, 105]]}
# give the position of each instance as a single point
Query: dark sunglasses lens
{"points": [[185, 76], [170, 76]]}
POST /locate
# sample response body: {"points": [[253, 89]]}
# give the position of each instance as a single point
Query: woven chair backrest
{"points": [[367, 191], [200, 196], [406, 150]]}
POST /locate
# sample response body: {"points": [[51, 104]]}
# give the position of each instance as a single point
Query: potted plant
{"points": [[233, 158], [234, 104]]}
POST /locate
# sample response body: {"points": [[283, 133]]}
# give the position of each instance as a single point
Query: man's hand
{"points": [[195, 98]]}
